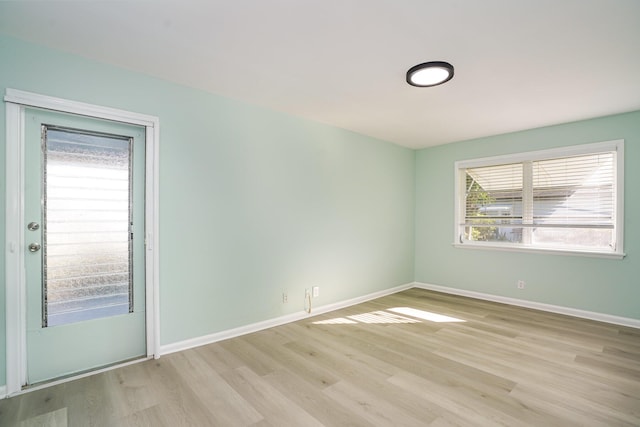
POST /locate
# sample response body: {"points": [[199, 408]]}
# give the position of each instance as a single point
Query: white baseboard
{"points": [[255, 327], [591, 315]]}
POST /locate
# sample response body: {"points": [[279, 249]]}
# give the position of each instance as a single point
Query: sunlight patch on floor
{"points": [[336, 321], [426, 315], [382, 317], [391, 315]]}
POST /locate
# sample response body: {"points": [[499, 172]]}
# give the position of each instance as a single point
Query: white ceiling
{"points": [[518, 64]]}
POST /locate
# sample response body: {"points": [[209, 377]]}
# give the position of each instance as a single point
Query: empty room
{"points": [[313, 213]]}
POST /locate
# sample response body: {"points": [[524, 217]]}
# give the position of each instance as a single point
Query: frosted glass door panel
{"points": [[87, 270]]}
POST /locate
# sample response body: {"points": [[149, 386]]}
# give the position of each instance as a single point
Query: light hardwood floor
{"points": [[368, 365]]}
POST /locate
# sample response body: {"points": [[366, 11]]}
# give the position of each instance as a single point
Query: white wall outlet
{"points": [[521, 284], [285, 297], [316, 291]]}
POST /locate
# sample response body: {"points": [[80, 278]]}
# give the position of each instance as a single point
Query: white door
{"points": [[84, 233]]}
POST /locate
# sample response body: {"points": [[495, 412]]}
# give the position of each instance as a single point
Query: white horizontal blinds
{"points": [[576, 192], [494, 195], [574, 201], [87, 268]]}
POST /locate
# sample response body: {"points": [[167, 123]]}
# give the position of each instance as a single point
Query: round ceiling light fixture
{"points": [[429, 74]]}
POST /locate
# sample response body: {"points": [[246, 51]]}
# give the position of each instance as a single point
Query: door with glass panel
{"points": [[84, 228]]}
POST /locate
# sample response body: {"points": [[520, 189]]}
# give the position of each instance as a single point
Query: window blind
{"points": [[494, 195], [567, 201], [576, 192]]}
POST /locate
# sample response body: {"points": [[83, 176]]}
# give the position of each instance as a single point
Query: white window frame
{"points": [[16, 101], [575, 150]]}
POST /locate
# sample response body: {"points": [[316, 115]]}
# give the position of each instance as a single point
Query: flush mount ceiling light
{"points": [[429, 74]]}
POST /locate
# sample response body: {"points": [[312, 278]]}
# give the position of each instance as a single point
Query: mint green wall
{"points": [[593, 284], [252, 202]]}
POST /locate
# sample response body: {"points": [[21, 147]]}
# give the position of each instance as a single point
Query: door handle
{"points": [[34, 247]]}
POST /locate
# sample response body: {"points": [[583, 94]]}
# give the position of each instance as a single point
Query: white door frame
{"points": [[15, 103]]}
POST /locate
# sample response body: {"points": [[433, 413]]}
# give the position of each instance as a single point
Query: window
{"points": [[567, 199], [88, 201]]}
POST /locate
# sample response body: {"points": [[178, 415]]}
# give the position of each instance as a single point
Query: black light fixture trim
{"points": [[432, 64]]}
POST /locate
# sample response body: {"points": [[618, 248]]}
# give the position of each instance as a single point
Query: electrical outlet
{"points": [[316, 291], [521, 284], [285, 298]]}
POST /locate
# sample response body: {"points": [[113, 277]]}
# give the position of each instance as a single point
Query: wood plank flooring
{"points": [[371, 365]]}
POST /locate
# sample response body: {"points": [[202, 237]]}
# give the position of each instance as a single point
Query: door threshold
{"points": [[78, 375]]}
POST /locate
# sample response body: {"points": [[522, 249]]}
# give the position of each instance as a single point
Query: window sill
{"points": [[548, 251]]}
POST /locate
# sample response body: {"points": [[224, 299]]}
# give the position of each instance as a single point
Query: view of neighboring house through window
{"points": [[561, 199]]}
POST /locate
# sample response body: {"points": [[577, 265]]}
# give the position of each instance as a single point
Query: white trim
{"points": [[619, 159], [255, 327], [14, 260], [571, 150], [514, 247], [568, 311], [152, 233], [16, 101], [3, 392], [30, 99]]}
